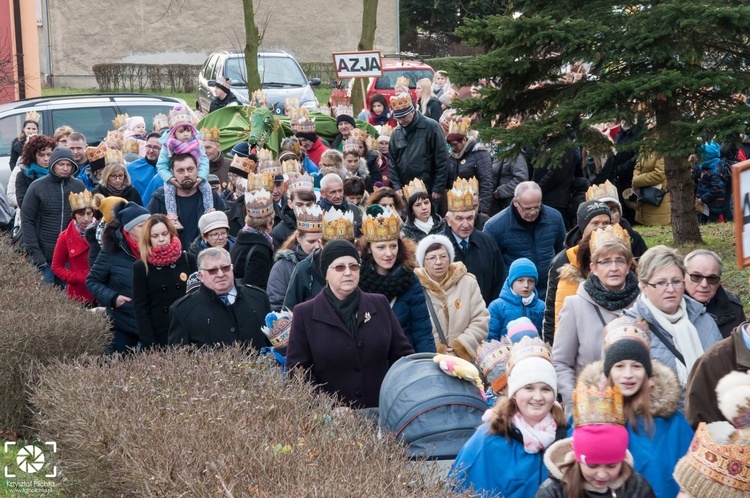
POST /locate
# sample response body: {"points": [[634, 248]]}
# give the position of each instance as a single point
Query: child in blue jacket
{"points": [[517, 298]]}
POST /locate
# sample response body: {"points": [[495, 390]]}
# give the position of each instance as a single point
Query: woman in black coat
{"points": [[110, 280], [28, 130], [159, 279], [344, 339], [252, 252], [116, 181]]}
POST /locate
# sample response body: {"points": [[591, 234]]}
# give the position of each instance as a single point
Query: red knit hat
{"points": [[600, 444]]}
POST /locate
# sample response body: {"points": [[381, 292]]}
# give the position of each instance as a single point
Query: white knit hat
{"points": [[434, 239], [529, 371]]}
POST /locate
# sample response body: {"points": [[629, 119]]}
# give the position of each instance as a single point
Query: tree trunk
{"points": [[685, 228], [366, 42], [251, 48]]}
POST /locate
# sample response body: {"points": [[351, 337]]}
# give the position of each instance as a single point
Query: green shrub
{"points": [[212, 423], [39, 324]]}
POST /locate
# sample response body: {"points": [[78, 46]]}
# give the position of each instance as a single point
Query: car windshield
{"points": [[388, 80], [275, 72]]}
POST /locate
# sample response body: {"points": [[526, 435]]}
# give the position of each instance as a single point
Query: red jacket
{"points": [[70, 263], [316, 151]]}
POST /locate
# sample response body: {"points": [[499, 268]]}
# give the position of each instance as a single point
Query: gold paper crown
{"points": [[402, 81], [96, 153], [344, 110], [401, 102], [290, 105], [259, 181], [384, 226], [258, 204], [608, 233], [265, 155], [338, 225], [628, 328], [464, 185], [306, 125], [115, 135], [291, 168], [114, 156], [279, 331], [415, 186], [178, 115], [460, 201], [243, 164], [371, 143], [351, 145], [385, 131], [602, 192], [592, 405], [459, 125], [271, 167], [130, 146], [491, 354], [528, 347], [310, 219], [210, 134], [160, 122], [80, 201], [357, 134], [120, 121], [258, 98], [339, 97], [302, 182], [32, 116]]}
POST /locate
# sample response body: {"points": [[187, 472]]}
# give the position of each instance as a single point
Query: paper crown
{"points": [[402, 81], [385, 131], [160, 122], [459, 126], [120, 121], [258, 204], [130, 146], [415, 186], [592, 405], [210, 134], [306, 125], [271, 167], [114, 136], [277, 328], [114, 156], [96, 153], [386, 225], [627, 328], [243, 164], [339, 97], [602, 192], [310, 219], [733, 395], [460, 201], [464, 185], [302, 182], [528, 347], [401, 102], [492, 360], [80, 201], [609, 233], [351, 145], [179, 114], [258, 98], [371, 143], [291, 168], [338, 225], [291, 105], [265, 155], [344, 110], [259, 181], [32, 116]]}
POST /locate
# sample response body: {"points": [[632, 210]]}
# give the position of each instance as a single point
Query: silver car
{"points": [[280, 75]]}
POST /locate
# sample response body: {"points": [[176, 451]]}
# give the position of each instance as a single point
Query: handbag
{"points": [[653, 196]]}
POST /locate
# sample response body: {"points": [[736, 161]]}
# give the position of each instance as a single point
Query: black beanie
{"points": [[347, 118], [627, 349], [308, 135], [336, 249], [590, 209]]}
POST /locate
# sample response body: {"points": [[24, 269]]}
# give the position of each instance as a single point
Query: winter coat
{"points": [[201, 319], [709, 182], [154, 292], [306, 281], [509, 306], [483, 260], [655, 453], [351, 366], [708, 332], [220, 168], [539, 245], [556, 180], [252, 257], [419, 151], [725, 356], [157, 206], [199, 244], [578, 340], [316, 152], [509, 173], [649, 172], [235, 216], [45, 213], [16, 150], [474, 161], [628, 485], [459, 309], [141, 173], [499, 466], [410, 230], [23, 182], [85, 176], [564, 278], [70, 263], [286, 227], [284, 262], [112, 276], [129, 194], [433, 111], [726, 310]]}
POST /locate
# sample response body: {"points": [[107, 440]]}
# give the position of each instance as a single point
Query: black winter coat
{"points": [[201, 319], [235, 216], [23, 183], [112, 276], [411, 231], [434, 109], [155, 292], [635, 487], [474, 161], [199, 244], [252, 257], [306, 281], [509, 173], [555, 180], [483, 260], [285, 228], [16, 149], [726, 310], [130, 193]]}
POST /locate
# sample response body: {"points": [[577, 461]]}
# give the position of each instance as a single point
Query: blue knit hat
{"points": [[522, 267], [131, 215]]}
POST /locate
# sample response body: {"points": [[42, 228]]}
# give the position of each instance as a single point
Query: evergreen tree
{"points": [[681, 66]]}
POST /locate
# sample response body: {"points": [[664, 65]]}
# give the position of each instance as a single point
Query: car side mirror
{"points": [[333, 84], [211, 82], [315, 82]]}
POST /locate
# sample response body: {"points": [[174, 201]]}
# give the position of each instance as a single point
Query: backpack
{"points": [[428, 410]]}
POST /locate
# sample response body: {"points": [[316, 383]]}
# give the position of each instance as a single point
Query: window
{"points": [[10, 128], [388, 80], [211, 68], [275, 72], [146, 111], [93, 122]]}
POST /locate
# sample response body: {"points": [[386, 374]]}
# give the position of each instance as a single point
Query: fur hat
{"points": [[733, 395], [433, 239]]}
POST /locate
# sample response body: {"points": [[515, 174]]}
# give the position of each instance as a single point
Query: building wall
{"points": [[88, 32]]}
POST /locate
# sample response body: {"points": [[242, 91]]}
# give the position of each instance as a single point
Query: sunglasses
{"points": [[214, 271], [697, 278], [353, 267]]}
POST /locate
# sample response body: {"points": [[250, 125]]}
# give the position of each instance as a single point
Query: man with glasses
{"points": [[703, 283], [221, 311], [214, 228], [528, 229], [143, 171]]}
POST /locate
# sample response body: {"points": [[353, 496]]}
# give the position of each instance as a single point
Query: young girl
{"points": [[380, 113], [440, 83], [136, 128], [517, 298], [183, 138]]}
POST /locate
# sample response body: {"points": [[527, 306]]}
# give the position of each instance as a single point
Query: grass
{"points": [[22, 481]]}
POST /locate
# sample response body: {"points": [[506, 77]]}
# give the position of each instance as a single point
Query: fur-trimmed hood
{"points": [[456, 271], [561, 452], [289, 255], [665, 395]]}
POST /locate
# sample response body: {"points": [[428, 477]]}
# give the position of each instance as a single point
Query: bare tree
{"points": [[366, 42], [8, 66]]}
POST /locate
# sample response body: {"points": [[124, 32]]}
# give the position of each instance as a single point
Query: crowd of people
{"points": [[601, 356]]}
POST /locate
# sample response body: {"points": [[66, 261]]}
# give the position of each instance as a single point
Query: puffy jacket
{"points": [[433, 111], [23, 182], [539, 245], [252, 257], [419, 151], [142, 173], [649, 172], [509, 173], [45, 213], [70, 263], [556, 180], [509, 306], [306, 281], [16, 150], [284, 262], [709, 183], [410, 230], [563, 278], [85, 177], [474, 161], [285, 227]]}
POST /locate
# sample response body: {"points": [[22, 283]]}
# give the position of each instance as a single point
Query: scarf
{"points": [[683, 333], [192, 147], [133, 245], [536, 438], [116, 191], [250, 229], [345, 309], [393, 285], [612, 300], [90, 175], [82, 229], [35, 171], [380, 119], [425, 226], [166, 255]]}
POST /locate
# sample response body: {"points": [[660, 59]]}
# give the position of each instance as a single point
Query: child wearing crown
{"points": [[136, 128]]}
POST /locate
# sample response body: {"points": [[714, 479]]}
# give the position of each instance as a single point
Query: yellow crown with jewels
{"points": [[528, 347], [279, 331], [114, 136], [414, 187], [302, 182], [160, 122], [602, 192], [350, 145], [243, 164], [271, 167], [120, 121], [96, 153], [81, 201], [210, 134], [626, 328], [401, 102], [459, 125], [310, 219], [265, 155], [460, 201], [291, 168], [32, 116], [338, 225], [114, 156], [258, 204], [371, 143], [592, 405], [306, 125], [290, 104], [609, 233], [385, 131], [382, 227], [402, 81], [131, 146], [258, 98], [259, 181], [466, 185]]}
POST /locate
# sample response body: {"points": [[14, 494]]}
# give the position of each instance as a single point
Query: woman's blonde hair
{"points": [[63, 131], [144, 245], [425, 92], [656, 258], [111, 169]]}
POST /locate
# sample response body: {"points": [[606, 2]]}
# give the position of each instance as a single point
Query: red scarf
{"points": [[166, 255], [133, 244]]}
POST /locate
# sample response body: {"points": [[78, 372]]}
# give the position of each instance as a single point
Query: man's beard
{"points": [[188, 184]]}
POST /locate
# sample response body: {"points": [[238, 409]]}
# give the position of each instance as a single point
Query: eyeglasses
{"points": [[663, 284], [711, 279], [353, 267], [222, 269], [610, 262], [530, 209], [117, 176], [217, 235], [153, 147], [432, 259]]}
